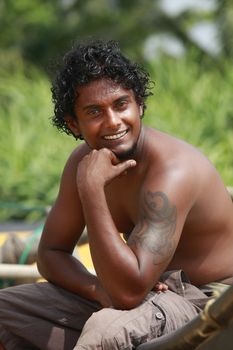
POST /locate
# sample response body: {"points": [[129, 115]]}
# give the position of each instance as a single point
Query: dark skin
{"points": [[166, 197]]}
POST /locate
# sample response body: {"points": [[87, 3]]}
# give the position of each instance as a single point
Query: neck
{"points": [[139, 147]]}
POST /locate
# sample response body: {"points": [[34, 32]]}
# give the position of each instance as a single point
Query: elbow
{"points": [[127, 295], [128, 301], [41, 264]]}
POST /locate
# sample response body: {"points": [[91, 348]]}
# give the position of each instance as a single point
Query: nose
{"points": [[112, 120]]}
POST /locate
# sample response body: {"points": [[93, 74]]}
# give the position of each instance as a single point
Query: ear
{"points": [[73, 125], [141, 111]]}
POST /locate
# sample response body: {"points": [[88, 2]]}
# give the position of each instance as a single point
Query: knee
{"points": [[98, 332], [101, 321]]}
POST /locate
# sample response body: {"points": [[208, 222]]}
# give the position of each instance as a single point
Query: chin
{"points": [[127, 154]]}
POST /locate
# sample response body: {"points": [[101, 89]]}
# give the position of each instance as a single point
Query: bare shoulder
{"points": [[173, 164], [170, 148], [179, 162], [68, 177], [75, 157], [68, 194], [186, 176], [66, 217]]}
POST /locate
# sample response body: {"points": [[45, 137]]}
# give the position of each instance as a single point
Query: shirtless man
{"points": [[162, 193]]}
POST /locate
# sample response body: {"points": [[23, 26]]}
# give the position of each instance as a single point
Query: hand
{"points": [[160, 287], [99, 168]]}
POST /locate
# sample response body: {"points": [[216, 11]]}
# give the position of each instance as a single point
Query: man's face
{"points": [[108, 116]]}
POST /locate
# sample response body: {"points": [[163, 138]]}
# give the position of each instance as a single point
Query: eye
{"points": [[94, 112], [121, 104]]}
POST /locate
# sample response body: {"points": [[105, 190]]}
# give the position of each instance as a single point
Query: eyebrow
{"points": [[95, 105], [124, 97], [90, 106]]}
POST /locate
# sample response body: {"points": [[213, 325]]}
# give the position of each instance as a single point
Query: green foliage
{"points": [[43, 29], [32, 152], [195, 103], [191, 102], [225, 22]]}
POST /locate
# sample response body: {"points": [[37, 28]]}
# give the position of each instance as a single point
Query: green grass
{"points": [[190, 102], [196, 105], [32, 151]]}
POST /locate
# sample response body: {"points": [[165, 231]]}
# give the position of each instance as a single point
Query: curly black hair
{"points": [[92, 61]]}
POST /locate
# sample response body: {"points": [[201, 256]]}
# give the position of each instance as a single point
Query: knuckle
{"points": [[105, 150]]}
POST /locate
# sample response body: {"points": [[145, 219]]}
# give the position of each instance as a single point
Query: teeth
{"points": [[115, 137]]}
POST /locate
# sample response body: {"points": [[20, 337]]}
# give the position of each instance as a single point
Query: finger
{"points": [[124, 166], [158, 286], [161, 286], [111, 155], [114, 159]]}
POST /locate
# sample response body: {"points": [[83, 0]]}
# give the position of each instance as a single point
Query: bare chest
{"points": [[123, 203]]}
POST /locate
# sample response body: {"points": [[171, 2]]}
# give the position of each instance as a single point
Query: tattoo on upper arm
{"points": [[156, 230]]}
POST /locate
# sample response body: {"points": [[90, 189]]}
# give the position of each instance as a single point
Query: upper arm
{"points": [[163, 209], [65, 221]]}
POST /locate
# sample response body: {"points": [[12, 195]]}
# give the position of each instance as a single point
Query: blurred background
{"points": [[187, 46]]}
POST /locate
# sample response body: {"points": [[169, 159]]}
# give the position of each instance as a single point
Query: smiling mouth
{"points": [[116, 136]]}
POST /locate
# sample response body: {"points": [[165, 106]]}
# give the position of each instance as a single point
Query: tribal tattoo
{"points": [[157, 228]]}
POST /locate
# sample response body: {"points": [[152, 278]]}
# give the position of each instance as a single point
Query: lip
{"points": [[116, 136]]}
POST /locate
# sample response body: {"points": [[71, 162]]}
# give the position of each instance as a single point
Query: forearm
{"points": [[67, 272], [116, 265], [126, 272]]}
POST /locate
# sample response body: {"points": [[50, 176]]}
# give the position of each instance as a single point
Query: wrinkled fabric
{"points": [[115, 329], [159, 314], [44, 316]]}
